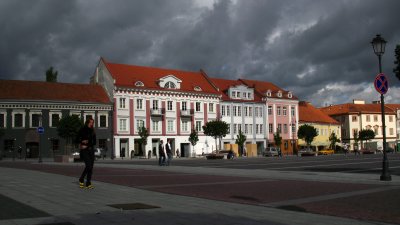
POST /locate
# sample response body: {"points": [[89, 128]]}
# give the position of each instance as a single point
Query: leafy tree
{"points": [[277, 139], [193, 138], [144, 134], [396, 70], [366, 135], [307, 133], [240, 140], [51, 76], [333, 139], [68, 128], [216, 129]]}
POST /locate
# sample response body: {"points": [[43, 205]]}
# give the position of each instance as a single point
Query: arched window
{"points": [[197, 88], [279, 94], [290, 95], [139, 84], [170, 85]]}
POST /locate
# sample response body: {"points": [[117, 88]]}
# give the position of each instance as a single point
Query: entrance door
{"points": [[123, 151], [185, 150]]}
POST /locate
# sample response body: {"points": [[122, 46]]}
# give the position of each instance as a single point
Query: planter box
{"points": [[63, 159]]}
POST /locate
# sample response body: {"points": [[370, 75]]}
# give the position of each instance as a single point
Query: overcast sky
{"points": [[318, 49]]}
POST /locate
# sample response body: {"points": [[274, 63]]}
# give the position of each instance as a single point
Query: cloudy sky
{"points": [[318, 49]]}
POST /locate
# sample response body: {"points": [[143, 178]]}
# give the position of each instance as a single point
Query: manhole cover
{"points": [[133, 206]]}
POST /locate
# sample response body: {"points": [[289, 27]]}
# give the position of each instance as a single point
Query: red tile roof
{"points": [[128, 75], [393, 106], [224, 86], [47, 91], [309, 114], [351, 108], [262, 87]]}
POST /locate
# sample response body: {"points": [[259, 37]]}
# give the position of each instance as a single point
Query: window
{"points": [[170, 125], [185, 126], [234, 128], [250, 128], [2, 120], [122, 103], [246, 129], [391, 131], [170, 85], [246, 112], [270, 110], [375, 118], [390, 118], [284, 110], [155, 104], [18, 120], [279, 128], [89, 116], [270, 128], [197, 88], [198, 126], [122, 124], [368, 118], [256, 111], [228, 113], [285, 128], [261, 129], [234, 111], [184, 105], [233, 94], [376, 130], [198, 107], [155, 125], [139, 103], [278, 110], [139, 124], [355, 132], [169, 105], [36, 120], [55, 119], [239, 111], [292, 110], [55, 144], [103, 121], [353, 118], [250, 111], [223, 110], [211, 107], [238, 94], [139, 84], [257, 126], [239, 126]]}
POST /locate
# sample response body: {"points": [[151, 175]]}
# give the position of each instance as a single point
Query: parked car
{"points": [[307, 152], [367, 151], [326, 152], [271, 151]]}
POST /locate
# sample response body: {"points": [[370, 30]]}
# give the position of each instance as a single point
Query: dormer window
{"points": [[268, 93], [197, 88], [279, 94], [139, 84], [289, 95], [170, 85]]}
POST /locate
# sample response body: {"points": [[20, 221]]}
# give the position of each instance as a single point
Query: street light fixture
{"points": [[378, 44]]}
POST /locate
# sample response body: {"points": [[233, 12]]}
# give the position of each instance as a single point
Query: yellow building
{"points": [[324, 124]]}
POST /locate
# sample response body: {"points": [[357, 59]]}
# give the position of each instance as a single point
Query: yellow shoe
{"points": [[81, 185], [89, 186]]}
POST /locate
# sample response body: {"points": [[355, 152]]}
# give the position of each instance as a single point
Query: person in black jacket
{"points": [[161, 154], [168, 151], [87, 141]]}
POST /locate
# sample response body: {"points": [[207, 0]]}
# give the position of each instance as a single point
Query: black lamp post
{"points": [[378, 43]]}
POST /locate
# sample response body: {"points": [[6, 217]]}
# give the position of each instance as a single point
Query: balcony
{"points": [[156, 112], [186, 112]]}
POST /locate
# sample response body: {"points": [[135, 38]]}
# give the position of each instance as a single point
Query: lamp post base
{"points": [[385, 176]]}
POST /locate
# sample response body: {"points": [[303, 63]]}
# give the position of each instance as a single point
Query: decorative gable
{"points": [[170, 82], [241, 92]]}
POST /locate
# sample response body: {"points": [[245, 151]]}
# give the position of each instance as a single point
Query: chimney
{"points": [[358, 102], [376, 102]]}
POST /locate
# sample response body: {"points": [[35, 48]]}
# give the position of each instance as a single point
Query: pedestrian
{"points": [[19, 152], [168, 150], [87, 141], [161, 155], [177, 153]]}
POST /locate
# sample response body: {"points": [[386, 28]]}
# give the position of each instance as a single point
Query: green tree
{"points": [[216, 129], [277, 139], [396, 69], [193, 138], [307, 133], [51, 76], [144, 134], [68, 128], [366, 135], [333, 139], [240, 140]]}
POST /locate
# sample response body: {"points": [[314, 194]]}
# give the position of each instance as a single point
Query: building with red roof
{"points": [[357, 116], [27, 105]]}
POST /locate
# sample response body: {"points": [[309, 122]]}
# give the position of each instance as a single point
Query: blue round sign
{"points": [[40, 130], [381, 84]]}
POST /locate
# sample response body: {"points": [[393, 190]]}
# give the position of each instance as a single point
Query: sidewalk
{"points": [[62, 202]]}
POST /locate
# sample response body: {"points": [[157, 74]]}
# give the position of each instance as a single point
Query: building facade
{"points": [[27, 105], [357, 116], [324, 124], [170, 103]]}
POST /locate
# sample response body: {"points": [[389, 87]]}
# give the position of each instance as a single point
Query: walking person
{"points": [[87, 141], [161, 154], [177, 153], [168, 151]]}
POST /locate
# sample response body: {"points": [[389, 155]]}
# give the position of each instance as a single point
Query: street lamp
{"points": [[378, 44]]}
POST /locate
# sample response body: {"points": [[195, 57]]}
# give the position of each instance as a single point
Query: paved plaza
{"points": [[197, 191]]}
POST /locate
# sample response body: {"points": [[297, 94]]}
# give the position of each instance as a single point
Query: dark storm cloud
{"points": [[313, 48]]}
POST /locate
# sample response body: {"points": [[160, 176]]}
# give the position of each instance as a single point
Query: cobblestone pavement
{"points": [[192, 195]]}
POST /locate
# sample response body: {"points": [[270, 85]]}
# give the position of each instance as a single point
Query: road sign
{"points": [[381, 84], [40, 130]]}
